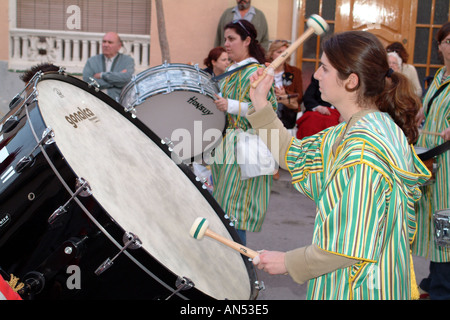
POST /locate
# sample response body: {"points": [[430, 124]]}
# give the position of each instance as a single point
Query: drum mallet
{"points": [[200, 229], [316, 24]]}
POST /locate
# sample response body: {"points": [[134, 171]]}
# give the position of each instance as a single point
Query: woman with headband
{"points": [[244, 201]]}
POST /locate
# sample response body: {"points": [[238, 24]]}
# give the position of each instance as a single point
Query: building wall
{"points": [[4, 29], [190, 26]]}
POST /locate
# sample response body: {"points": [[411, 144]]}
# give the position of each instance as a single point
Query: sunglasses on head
{"points": [[240, 23]]}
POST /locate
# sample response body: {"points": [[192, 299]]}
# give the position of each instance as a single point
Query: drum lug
{"points": [[10, 124], [62, 70], [168, 143], [182, 284], [131, 242], [203, 181], [131, 110], [260, 286], [83, 190], [23, 163], [93, 83], [200, 83], [232, 219], [82, 184], [28, 161]]}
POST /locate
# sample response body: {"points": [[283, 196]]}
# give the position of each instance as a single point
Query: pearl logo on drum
{"points": [[205, 111], [82, 114]]}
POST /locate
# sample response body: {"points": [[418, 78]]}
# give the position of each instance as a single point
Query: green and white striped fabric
{"points": [[244, 200], [437, 195], [365, 196]]}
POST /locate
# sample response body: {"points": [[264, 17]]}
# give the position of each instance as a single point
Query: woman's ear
{"points": [[247, 41], [352, 82]]}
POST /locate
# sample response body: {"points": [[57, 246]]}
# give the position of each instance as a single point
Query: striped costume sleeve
{"points": [[351, 213]]}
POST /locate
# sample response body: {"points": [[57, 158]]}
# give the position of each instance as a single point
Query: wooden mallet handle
{"points": [[316, 24], [200, 229]]}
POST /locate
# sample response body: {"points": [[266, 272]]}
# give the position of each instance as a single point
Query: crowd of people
{"points": [[348, 141]]}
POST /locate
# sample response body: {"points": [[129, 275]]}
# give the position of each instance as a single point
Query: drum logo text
{"points": [[4, 220], [205, 111], [82, 114]]}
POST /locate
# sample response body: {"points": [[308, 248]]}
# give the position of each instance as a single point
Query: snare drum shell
{"points": [[442, 227]]}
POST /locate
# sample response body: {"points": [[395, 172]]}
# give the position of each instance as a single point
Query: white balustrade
{"points": [[70, 50]]}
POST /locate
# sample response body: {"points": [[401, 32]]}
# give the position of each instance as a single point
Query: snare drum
{"points": [[176, 101], [431, 164], [442, 227], [92, 206]]}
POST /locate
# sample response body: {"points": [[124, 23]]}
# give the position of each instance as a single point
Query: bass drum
{"points": [[92, 206], [176, 101]]}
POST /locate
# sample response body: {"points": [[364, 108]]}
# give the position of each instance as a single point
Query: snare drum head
{"points": [[143, 191], [176, 102]]}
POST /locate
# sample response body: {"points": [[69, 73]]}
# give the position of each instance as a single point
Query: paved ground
{"points": [[10, 85]]}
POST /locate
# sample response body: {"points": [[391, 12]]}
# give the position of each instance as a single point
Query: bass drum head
{"points": [[141, 189]]}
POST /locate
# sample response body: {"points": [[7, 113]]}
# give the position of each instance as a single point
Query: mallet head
{"points": [[199, 228], [318, 24]]}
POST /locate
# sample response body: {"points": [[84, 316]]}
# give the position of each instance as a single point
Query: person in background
{"points": [[318, 114], [112, 70], [407, 69], [288, 88], [244, 201], [436, 196], [244, 10], [363, 175], [217, 61]]}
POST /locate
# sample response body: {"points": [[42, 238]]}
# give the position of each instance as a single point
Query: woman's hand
{"points": [[446, 134], [259, 94], [271, 262], [323, 110], [221, 103]]}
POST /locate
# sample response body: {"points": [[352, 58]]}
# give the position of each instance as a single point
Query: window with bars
{"points": [[431, 15], [311, 50], [121, 16]]}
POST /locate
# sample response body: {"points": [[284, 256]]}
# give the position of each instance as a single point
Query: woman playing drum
{"points": [[362, 174], [243, 200], [436, 195]]}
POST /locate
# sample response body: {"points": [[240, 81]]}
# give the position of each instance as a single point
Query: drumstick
{"points": [[316, 24], [200, 229], [430, 133], [287, 96]]}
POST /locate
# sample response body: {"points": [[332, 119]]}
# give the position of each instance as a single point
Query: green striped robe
{"points": [[244, 200], [437, 195], [365, 205]]}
